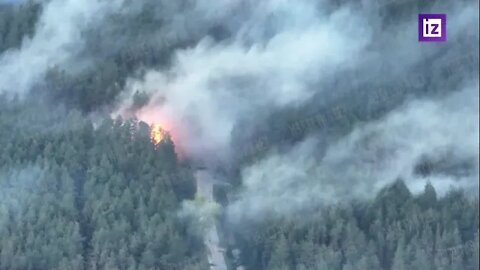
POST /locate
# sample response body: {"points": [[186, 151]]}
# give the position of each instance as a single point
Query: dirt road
{"points": [[216, 256]]}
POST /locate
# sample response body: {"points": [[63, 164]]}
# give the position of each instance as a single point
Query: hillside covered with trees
{"points": [[78, 197], [84, 187], [396, 231]]}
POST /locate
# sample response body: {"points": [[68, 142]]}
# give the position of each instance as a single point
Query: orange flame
{"points": [[157, 134], [162, 124]]}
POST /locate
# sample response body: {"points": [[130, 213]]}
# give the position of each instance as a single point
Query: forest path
{"points": [[216, 256]]}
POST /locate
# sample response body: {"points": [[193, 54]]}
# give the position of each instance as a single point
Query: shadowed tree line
{"points": [[74, 195], [78, 197], [395, 231]]}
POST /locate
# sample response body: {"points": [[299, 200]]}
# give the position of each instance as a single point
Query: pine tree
{"points": [[279, 259], [400, 259]]}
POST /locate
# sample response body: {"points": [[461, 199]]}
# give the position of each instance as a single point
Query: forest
{"points": [[75, 197], [84, 186], [394, 231]]}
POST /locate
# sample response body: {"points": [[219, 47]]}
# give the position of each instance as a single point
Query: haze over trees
{"points": [[394, 231], [81, 189], [75, 197]]}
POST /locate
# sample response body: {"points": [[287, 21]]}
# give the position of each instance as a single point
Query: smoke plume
{"points": [[373, 155], [299, 55], [212, 86], [241, 68], [57, 39]]}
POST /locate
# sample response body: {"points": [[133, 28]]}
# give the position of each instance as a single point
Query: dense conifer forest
{"points": [[78, 197], [84, 187]]}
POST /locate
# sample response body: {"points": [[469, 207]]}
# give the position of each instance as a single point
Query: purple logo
{"points": [[432, 27]]}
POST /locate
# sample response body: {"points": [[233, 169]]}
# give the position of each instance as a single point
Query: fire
{"points": [[163, 126], [157, 134]]}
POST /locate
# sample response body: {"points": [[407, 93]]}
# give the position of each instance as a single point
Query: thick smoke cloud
{"points": [[57, 39], [210, 87], [372, 156], [287, 54], [265, 58]]}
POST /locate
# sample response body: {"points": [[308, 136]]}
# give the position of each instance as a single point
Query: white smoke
{"points": [[213, 85], [282, 54], [278, 55], [57, 38], [369, 158]]}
